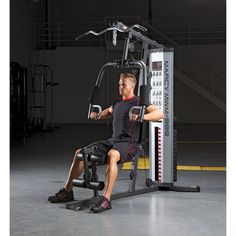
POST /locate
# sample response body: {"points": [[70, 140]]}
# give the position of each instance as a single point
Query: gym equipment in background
{"points": [[41, 98], [18, 102]]}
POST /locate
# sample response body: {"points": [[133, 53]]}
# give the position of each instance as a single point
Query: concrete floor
{"points": [[39, 169]]}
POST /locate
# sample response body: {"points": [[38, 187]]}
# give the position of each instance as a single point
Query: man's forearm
{"points": [[105, 114], [154, 116]]}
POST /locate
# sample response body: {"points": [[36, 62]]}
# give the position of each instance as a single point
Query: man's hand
{"points": [[95, 116], [104, 114], [133, 117]]}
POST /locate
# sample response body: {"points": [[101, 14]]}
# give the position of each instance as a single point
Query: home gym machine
{"points": [[155, 85]]}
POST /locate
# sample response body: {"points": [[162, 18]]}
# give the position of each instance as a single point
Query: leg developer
{"points": [[90, 178]]}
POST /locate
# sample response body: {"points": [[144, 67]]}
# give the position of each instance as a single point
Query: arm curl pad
{"points": [[144, 94], [94, 94]]}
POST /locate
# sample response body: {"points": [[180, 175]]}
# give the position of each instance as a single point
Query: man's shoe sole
{"points": [[101, 210], [62, 201]]}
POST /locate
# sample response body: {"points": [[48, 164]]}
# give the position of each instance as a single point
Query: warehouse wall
{"points": [[76, 69]]}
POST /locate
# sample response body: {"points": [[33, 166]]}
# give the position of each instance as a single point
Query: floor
{"points": [[39, 168]]}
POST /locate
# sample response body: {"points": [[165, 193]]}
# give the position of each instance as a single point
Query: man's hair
{"points": [[130, 77]]}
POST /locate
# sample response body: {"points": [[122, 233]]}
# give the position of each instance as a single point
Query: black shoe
{"points": [[62, 196], [103, 205]]}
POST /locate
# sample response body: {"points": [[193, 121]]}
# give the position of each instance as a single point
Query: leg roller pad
{"points": [[81, 183]]}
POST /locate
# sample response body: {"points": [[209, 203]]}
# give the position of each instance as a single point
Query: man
{"points": [[119, 148]]}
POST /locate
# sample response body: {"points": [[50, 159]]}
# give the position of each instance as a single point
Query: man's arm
{"points": [[104, 114], [153, 113]]}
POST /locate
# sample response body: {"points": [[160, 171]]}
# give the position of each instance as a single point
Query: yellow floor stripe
{"points": [[189, 168], [143, 163], [211, 168]]}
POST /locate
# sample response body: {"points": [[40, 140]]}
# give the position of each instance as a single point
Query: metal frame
{"points": [[161, 143], [119, 64], [161, 146]]}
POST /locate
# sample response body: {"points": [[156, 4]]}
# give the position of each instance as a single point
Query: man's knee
{"points": [[113, 156], [77, 151], [77, 156]]}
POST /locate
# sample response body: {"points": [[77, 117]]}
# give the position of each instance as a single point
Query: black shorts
{"points": [[126, 149]]}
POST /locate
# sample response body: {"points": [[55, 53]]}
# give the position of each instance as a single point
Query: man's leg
{"points": [[76, 170], [66, 194], [112, 172], [111, 175]]}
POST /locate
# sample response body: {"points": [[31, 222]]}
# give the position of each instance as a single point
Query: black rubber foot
{"points": [[171, 187], [82, 204]]}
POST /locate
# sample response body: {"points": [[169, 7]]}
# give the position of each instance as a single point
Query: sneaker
{"points": [[62, 196], [103, 205]]}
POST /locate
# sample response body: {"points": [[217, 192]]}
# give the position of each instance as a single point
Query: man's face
{"points": [[125, 87]]}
